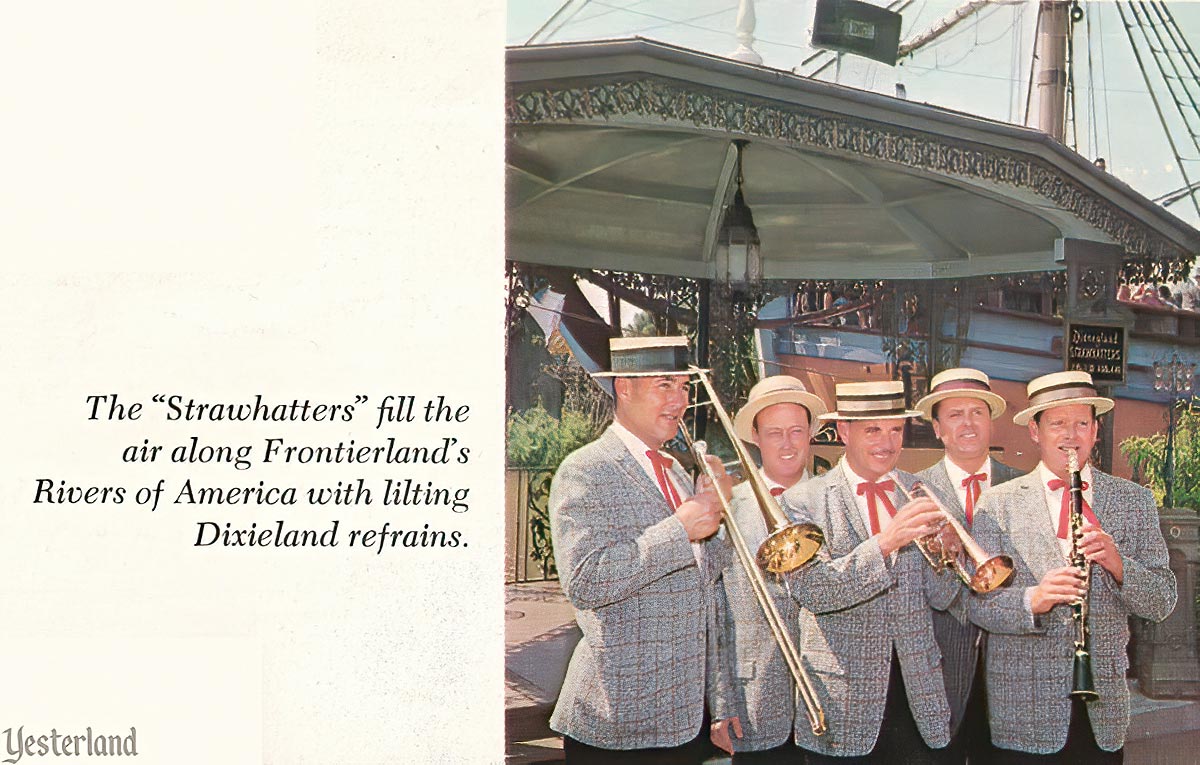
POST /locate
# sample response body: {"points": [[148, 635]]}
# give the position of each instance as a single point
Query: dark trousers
{"points": [[693, 752], [899, 739], [786, 753], [1081, 746], [972, 741]]}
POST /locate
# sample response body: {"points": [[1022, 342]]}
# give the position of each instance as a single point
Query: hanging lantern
{"points": [[739, 258]]}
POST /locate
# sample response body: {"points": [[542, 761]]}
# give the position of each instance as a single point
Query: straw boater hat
{"points": [[646, 357], [777, 389], [960, 383], [870, 401], [1060, 389]]}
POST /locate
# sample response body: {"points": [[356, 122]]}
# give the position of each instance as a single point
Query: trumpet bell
{"points": [[790, 547], [992, 573]]}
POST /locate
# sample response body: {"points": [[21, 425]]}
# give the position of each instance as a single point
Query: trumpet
{"points": [[951, 547], [794, 544], [1081, 670]]}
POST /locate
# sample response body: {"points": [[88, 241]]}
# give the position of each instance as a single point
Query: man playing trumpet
{"points": [[962, 406], [751, 691], [865, 628], [637, 559], [1030, 654]]}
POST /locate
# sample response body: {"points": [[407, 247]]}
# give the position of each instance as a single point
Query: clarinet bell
{"points": [[1081, 677]]}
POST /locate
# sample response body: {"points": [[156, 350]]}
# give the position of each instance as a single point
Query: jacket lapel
{"points": [[842, 495], [939, 478], [1105, 506], [1043, 552], [633, 471]]}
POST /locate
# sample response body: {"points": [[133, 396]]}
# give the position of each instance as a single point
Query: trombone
{"points": [[788, 546], [946, 547]]}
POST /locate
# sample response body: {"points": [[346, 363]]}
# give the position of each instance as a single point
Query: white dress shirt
{"points": [[885, 518], [958, 475], [1054, 501]]}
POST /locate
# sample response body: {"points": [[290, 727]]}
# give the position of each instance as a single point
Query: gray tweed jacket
{"points": [[857, 608], [750, 679], [1029, 661], [961, 641], [637, 676]]}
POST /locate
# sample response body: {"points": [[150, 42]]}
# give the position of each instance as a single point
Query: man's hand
{"points": [[915, 519], [1098, 547], [724, 480], [1060, 585], [700, 515], [720, 733]]}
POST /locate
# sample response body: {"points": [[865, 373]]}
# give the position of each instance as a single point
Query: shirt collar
{"points": [[958, 475], [773, 484], [854, 478], [1046, 475], [636, 446]]}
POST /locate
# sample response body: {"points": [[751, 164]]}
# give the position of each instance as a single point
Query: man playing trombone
{"points": [[636, 558], [865, 628], [751, 692], [1056, 655], [962, 406]]}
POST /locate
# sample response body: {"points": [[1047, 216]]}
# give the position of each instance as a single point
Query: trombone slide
{"points": [[779, 630]]}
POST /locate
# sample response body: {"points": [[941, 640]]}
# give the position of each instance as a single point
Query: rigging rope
{"points": [[1154, 98]]}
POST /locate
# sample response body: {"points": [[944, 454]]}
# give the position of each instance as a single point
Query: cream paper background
{"points": [[217, 199]]}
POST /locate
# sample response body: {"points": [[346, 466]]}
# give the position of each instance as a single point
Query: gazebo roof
{"points": [[620, 157]]}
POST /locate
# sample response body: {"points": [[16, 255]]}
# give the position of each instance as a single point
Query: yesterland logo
{"points": [[19, 744]]}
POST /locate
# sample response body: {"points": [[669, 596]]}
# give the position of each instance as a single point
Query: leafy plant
{"points": [[537, 439], [1146, 454], [537, 442]]}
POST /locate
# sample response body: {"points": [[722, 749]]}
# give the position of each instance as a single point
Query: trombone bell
{"points": [[790, 547]]}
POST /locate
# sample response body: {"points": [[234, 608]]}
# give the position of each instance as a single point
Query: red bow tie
{"points": [[879, 490], [776, 491], [974, 486], [662, 463], [1064, 514]]}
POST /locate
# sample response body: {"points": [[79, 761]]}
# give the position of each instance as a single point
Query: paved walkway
{"points": [[540, 634]]}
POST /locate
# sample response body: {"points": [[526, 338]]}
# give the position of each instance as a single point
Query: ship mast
{"points": [[1050, 74]]}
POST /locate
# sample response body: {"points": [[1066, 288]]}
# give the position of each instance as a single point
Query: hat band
{"points": [[666, 360], [1062, 393], [961, 385], [889, 406]]}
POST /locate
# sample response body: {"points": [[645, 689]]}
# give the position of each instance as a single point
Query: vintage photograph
{"points": [[850, 367]]}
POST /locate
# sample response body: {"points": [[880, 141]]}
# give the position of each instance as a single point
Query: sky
{"points": [[981, 67]]}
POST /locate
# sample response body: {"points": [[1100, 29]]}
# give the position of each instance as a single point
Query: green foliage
{"points": [[537, 442], [1146, 455], [643, 325], [536, 439]]}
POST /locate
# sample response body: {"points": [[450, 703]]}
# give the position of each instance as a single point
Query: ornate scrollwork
{"points": [[730, 112]]}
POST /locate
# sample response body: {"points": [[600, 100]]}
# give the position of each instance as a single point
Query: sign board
{"points": [[1099, 349], [855, 27]]}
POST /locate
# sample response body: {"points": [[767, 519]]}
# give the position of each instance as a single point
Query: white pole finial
{"points": [[745, 34]]}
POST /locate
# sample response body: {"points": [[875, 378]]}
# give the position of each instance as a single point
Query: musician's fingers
{"points": [[736, 723], [918, 505], [715, 463]]}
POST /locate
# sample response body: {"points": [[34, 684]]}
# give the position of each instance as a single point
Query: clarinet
{"points": [[1082, 685]]}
